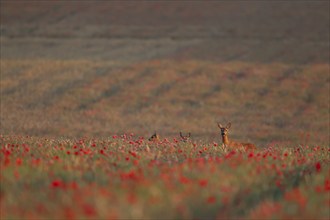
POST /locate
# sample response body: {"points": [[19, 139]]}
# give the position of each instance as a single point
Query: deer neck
{"points": [[225, 139]]}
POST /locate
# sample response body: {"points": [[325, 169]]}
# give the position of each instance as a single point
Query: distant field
{"points": [[218, 31], [265, 102], [97, 68], [84, 84]]}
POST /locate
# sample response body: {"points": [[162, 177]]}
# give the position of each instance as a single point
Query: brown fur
{"points": [[233, 144], [155, 137]]}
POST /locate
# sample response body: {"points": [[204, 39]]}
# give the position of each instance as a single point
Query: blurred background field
{"points": [[96, 68]]}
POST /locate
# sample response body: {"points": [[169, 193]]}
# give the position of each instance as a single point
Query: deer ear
{"points": [[219, 125], [228, 125]]}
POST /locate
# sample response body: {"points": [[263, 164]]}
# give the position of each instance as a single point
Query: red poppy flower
{"points": [[89, 210], [327, 185], [203, 182], [57, 183], [184, 180], [318, 166], [211, 200], [18, 161]]}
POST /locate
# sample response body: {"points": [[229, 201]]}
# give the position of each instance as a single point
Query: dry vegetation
{"points": [[265, 102], [98, 68]]}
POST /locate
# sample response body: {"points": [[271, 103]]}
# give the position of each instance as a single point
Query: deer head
{"points": [[154, 137], [186, 137], [224, 130]]}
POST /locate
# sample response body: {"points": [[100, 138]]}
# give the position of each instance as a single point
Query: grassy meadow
{"points": [[84, 84]]}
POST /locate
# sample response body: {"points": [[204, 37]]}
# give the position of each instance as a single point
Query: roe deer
{"points": [[233, 144], [154, 137], [185, 138]]}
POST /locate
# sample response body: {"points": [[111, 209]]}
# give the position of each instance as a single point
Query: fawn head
{"points": [[154, 137], [185, 138], [224, 130]]}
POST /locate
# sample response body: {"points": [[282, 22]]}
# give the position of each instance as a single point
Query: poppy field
{"points": [[83, 85], [128, 177]]}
